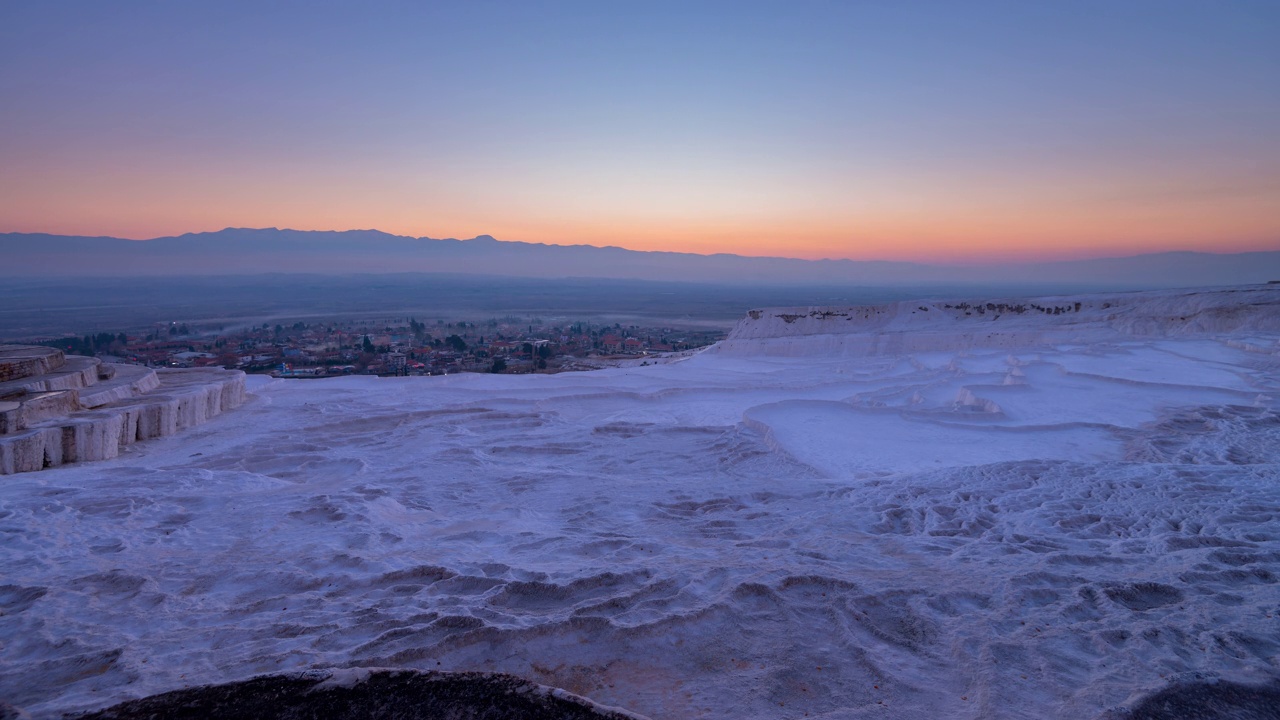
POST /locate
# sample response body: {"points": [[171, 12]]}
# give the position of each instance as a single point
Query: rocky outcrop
{"points": [[352, 694], [56, 409], [1210, 699]]}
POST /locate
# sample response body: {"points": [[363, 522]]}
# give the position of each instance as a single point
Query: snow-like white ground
{"points": [[783, 526]]}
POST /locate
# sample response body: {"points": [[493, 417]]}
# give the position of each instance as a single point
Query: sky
{"points": [[948, 131]]}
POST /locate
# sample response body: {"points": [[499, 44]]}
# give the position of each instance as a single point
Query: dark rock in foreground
{"points": [[377, 695], [1210, 701]]}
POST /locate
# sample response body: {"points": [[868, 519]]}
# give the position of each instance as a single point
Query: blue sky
{"points": [[853, 129]]}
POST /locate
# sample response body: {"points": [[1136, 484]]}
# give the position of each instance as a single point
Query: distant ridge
{"points": [[240, 251]]}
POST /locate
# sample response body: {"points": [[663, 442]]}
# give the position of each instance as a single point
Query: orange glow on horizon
{"points": [[989, 224], [924, 245], [994, 213]]}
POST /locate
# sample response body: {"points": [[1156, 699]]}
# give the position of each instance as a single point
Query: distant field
{"points": [[45, 307]]}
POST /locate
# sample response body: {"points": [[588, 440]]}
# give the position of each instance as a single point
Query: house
{"points": [[611, 343]]}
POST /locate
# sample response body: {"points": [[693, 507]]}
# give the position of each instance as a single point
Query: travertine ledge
{"points": [[56, 409]]}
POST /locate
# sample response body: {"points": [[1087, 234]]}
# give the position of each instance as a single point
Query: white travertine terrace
{"points": [[786, 525], [56, 409]]}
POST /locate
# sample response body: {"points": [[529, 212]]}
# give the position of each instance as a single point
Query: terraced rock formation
{"points": [[57, 409]]}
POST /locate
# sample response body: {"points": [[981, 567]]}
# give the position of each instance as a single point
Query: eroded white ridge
{"points": [[921, 326], [1050, 529]]}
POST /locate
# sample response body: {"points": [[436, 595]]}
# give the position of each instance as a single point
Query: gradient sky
{"points": [[908, 130]]}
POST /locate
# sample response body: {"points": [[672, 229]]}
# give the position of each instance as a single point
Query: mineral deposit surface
{"points": [[906, 511]]}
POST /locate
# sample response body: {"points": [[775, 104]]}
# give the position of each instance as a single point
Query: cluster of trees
{"points": [[280, 329], [366, 346], [90, 344], [538, 354], [418, 329], [174, 331], [1006, 307]]}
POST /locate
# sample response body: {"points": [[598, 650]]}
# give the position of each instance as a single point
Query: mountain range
{"points": [[240, 251]]}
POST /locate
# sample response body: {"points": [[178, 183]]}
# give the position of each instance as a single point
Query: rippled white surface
{"points": [[1043, 532]]}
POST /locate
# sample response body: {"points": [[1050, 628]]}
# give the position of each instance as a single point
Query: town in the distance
{"points": [[391, 346]]}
